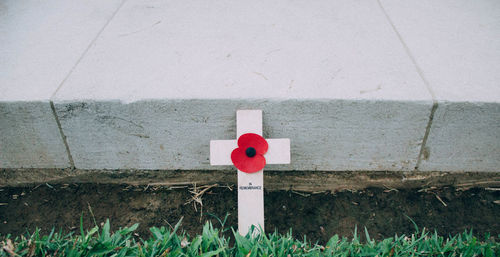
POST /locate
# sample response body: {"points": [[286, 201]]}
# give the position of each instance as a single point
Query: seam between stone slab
{"points": [[61, 132], [424, 79], [426, 135], [87, 49], [408, 52], [70, 157]]}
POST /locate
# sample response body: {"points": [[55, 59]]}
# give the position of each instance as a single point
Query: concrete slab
{"points": [[463, 137], [246, 50], [166, 77], [30, 137], [146, 85], [456, 45], [175, 134], [40, 42]]}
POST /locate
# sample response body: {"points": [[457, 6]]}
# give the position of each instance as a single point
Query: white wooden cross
{"points": [[250, 185]]}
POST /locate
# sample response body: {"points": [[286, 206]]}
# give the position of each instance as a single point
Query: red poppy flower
{"points": [[249, 156]]}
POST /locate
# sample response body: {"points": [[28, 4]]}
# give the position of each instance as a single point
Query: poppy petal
{"points": [[253, 140], [247, 164]]}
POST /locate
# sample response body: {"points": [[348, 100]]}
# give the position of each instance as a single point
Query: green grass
{"points": [[171, 242]]}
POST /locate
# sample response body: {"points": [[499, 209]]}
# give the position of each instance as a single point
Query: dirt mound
{"points": [[382, 211]]}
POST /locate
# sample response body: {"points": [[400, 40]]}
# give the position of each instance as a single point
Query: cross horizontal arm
{"points": [[277, 153], [220, 151]]}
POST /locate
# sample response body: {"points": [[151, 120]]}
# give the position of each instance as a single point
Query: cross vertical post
{"points": [[250, 185]]}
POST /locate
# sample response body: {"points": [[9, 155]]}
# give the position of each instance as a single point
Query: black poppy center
{"points": [[250, 152]]}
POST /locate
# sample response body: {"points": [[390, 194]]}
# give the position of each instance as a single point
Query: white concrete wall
{"points": [[146, 85]]}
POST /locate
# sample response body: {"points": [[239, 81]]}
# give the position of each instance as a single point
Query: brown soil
{"points": [[382, 211]]}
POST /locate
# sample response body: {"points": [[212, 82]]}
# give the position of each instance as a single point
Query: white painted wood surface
{"points": [[250, 185], [220, 151], [248, 121], [278, 151]]}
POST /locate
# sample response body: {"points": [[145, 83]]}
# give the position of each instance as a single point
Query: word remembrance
{"points": [[249, 154]]}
